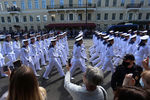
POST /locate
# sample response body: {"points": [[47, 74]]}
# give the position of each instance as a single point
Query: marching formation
{"points": [[107, 51], [109, 48], [35, 51]]}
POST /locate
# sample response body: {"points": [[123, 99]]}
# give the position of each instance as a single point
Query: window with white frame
{"points": [[114, 3], [31, 18], [43, 3], [79, 17], [89, 16], [99, 3], [132, 1], [29, 4], [113, 16], [106, 3], [52, 3], [2, 19], [9, 19], [22, 4], [17, 19], [148, 16], [122, 2], [70, 16], [53, 17], [98, 16], [1, 8], [121, 16], [24, 19], [14, 3], [130, 16], [61, 2], [140, 16], [45, 18], [36, 2], [80, 3], [89, 2], [6, 4], [61, 17], [38, 18]]}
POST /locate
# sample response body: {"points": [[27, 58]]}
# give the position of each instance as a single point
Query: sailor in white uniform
{"points": [[44, 47], [53, 61], [132, 45], [34, 53], [8, 50], [17, 46], [78, 56], [2, 62], [103, 51], [26, 57], [142, 51], [109, 56], [40, 52]]}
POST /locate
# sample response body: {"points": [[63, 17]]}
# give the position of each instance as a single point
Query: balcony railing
{"points": [[135, 5], [13, 9], [71, 6]]}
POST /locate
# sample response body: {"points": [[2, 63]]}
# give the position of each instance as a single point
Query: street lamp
{"points": [[86, 13]]}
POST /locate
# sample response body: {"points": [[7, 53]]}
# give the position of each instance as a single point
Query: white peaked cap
{"points": [[16, 36], [53, 39], [32, 38], [25, 40], [112, 38], [145, 31], [105, 37], [144, 37], [127, 34], [99, 33], [117, 32], [111, 31], [80, 38], [133, 36]]}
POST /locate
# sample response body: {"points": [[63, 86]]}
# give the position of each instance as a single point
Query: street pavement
{"points": [[55, 85]]}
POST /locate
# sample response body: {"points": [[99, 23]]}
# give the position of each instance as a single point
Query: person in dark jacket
{"points": [[127, 67]]}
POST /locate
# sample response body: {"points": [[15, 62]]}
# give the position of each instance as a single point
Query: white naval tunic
{"points": [[77, 60], [9, 52], [17, 48], [53, 61]]}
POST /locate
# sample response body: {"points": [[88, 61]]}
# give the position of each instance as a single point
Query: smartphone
{"points": [[17, 64], [69, 62], [5, 68], [148, 61]]}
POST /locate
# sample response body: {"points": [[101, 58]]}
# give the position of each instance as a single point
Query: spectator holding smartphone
{"points": [[24, 86], [127, 67], [92, 90]]}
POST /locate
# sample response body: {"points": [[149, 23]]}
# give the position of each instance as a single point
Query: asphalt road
{"points": [[55, 85]]}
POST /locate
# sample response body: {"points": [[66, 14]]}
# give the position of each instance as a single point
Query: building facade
{"points": [[36, 14]]}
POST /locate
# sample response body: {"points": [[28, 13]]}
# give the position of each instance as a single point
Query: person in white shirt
{"points": [[8, 50], [40, 50], [78, 56], [91, 90], [109, 56], [34, 54], [142, 51], [53, 60], [26, 57], [2, 63], [17, 46]]}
